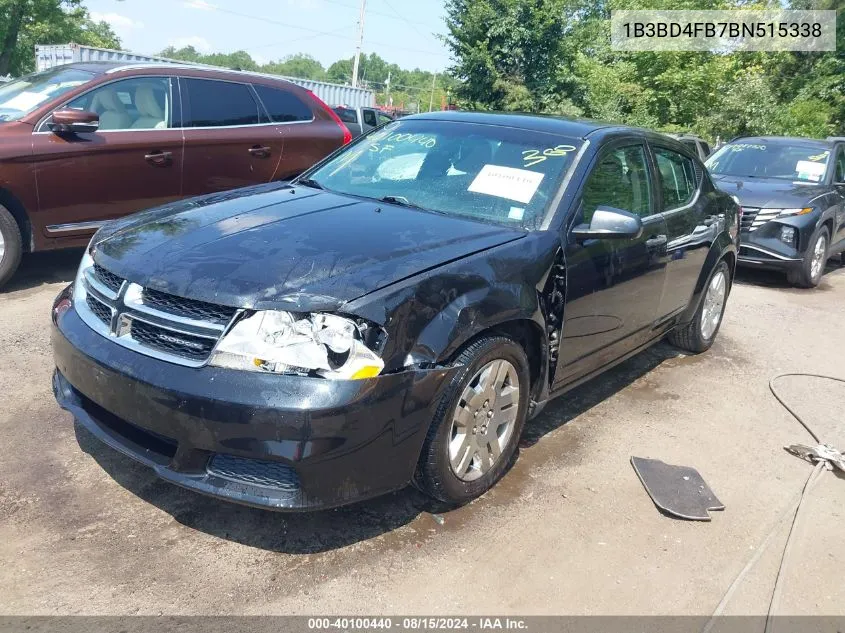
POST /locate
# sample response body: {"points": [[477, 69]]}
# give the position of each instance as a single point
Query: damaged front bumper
{"points": [[266, 440]]}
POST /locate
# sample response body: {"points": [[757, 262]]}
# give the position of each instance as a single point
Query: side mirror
{"points": [[608, 223], [74, 121]]}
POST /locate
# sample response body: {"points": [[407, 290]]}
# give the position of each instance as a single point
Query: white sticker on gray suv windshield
{"points": [[808, 170], [507, 182]]}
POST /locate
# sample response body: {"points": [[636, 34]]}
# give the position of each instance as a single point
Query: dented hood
{"points": [[277, 247]]}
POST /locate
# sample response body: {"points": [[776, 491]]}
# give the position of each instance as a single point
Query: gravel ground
{"points": [[570, 530]]}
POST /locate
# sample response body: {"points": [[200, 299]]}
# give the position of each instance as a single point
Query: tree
{"points": [[340, 72], [508, 52], [240, 60], [555, 56], [299, 65], [25, 23]]}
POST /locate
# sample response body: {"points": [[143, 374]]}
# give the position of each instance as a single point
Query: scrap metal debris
{"points": [[677, 490], [820, 453]]}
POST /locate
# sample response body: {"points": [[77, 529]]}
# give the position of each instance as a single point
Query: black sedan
{"points": [[397, 313], [792, 194]]}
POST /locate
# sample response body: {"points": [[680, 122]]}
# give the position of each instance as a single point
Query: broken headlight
{"points": [[327, 345]]}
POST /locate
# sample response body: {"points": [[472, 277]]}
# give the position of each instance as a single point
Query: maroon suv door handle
{"points": [[260, 151], [159, 159]]}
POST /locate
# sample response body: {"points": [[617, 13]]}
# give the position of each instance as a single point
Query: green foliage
{"points": [[409, 89], [299, 65], [25, 23], [554, 56]]}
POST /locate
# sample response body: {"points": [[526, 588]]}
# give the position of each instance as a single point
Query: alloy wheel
{"points": [[484, 420], [819, 258], [714, 301]]}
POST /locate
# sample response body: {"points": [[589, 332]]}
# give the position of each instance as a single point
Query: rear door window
{"points": [[282, 105], [220, 104], [677, 178]]}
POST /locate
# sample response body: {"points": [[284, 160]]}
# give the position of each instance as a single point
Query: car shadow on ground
{"points": [[320, 531], [776, 279], [50, 267]]}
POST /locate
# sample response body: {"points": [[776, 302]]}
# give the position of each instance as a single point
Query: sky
{"points": [[401, 31]]}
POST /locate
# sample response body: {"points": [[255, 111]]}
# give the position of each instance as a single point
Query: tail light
{"points": [[347, 135]]}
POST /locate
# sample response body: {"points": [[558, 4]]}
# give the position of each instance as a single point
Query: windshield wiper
{"points": [[309, 182], [401, 201]]}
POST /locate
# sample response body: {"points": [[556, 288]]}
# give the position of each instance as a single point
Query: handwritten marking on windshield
{"points": [[738, 147], [535, 156], [419, 139]]}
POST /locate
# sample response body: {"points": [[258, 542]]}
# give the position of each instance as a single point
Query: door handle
{"points": [[159, 159], [655, 241], [260, 151]]}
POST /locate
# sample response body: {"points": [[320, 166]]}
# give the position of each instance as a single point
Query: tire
{"points": [[693, 337], [11, 246], [436, 475], [805, 277]]}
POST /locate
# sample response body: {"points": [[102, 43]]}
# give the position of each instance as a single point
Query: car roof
{"points": [[782, 140], [575, 128], [110, 67], [98, 68]]}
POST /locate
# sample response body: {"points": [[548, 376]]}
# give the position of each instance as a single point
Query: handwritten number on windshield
{"points": [[535, 156]]}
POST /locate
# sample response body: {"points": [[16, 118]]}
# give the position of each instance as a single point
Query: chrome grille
{"points": [[109, 280], [183, 345], [754, 217], [100, 309], [187, 308], [151, 322]]}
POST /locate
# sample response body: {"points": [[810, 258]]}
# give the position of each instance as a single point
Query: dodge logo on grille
{"points": [[180, 341]]}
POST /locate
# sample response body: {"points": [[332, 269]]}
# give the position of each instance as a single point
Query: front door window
{"points": [[139, 103]]}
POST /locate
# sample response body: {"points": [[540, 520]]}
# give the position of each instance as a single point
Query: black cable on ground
{"points": [[788, 408], [792, 510]]}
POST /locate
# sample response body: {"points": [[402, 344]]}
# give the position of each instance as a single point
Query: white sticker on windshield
{"points": [[516, 213], [507, 182], [808, 170]]}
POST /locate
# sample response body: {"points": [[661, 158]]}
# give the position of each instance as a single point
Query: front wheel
{"points": [[476, 429], [11, 245], [815, 259], [698, 335]]}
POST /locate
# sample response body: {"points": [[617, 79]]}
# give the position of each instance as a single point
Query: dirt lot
{"points": [[569, 530]]}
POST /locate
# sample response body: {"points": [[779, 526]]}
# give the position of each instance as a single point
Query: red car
{"points": [[85, 143]]}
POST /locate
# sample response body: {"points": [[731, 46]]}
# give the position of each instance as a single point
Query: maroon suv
{"points": [[86, 143]]}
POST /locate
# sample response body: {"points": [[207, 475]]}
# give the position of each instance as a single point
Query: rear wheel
{"points": [[815, 259], [476, 428], [698, 335], [11, 245]]}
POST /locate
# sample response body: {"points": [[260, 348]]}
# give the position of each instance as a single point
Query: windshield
{"points": [[484, 172], [20, 97], [801, 163]]}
